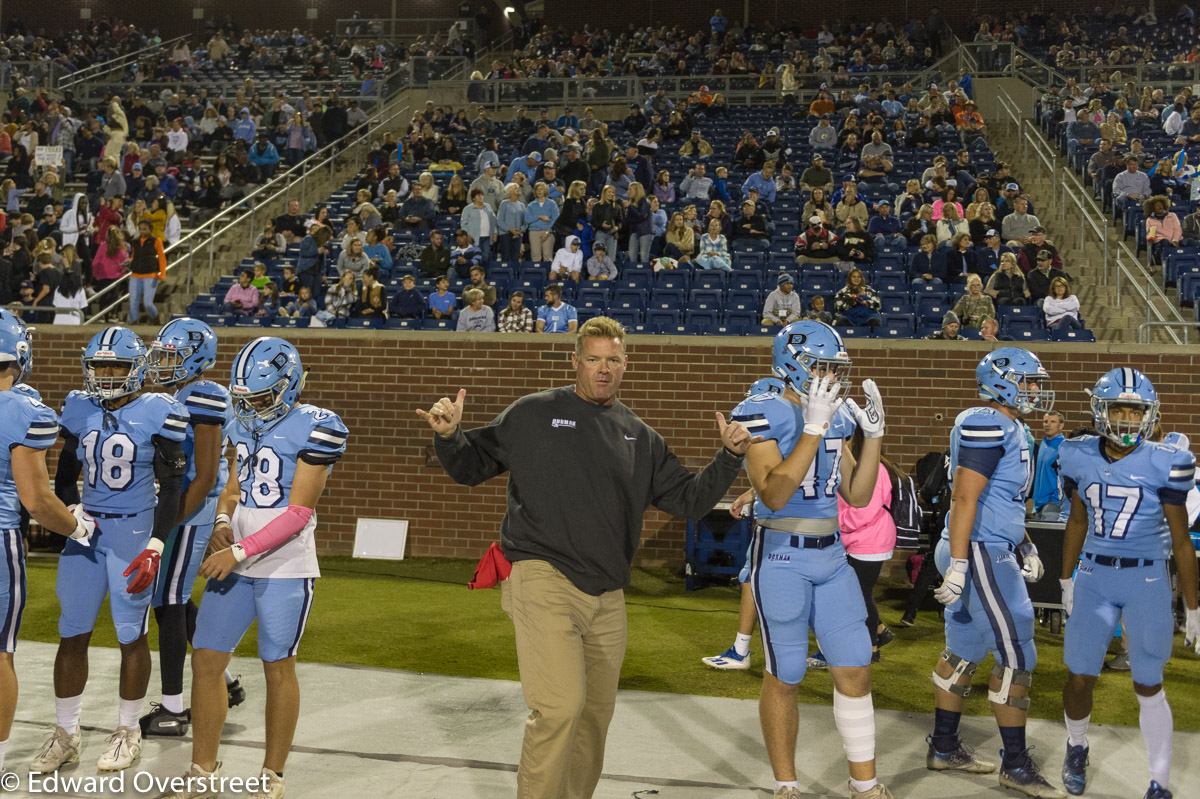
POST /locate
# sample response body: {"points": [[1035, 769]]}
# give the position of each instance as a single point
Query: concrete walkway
{"points": [[374, 733]]}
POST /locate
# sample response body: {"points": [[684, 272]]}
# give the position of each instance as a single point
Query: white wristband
{"points": [[239, 552], [814, 430], [222, 518], [958, 565], [156, 545]]}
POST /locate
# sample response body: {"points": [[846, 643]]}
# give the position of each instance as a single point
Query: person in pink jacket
{"points": [[107, 263], [869, 535], [1162, 226]]}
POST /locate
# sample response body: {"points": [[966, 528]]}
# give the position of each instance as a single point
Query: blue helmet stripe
{"points": [[240, 371]]}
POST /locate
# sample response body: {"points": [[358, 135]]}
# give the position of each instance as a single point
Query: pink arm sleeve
{"points": [[278, 530]]}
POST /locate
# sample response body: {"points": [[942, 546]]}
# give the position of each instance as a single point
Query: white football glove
{"points": [[1031, 568], [823, 403], [1191, 629], [1068, 595], [85, 525], [950, 591], [870, 417]]}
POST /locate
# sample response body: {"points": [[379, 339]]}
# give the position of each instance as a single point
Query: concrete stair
{"points": [[1082, 259]]}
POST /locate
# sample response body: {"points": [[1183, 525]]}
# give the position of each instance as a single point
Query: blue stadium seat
{"points": [[741, 322], [674, 298], [746, 282], [1030, 335], [709, 280], [437, 324], [1073, 335], [700, 322], [672, 279], [890, 330], [595, 295], [854, 331], [707, 295], [290, 321], [364, 323], [659, 319], [628, 318], [403, 324]]}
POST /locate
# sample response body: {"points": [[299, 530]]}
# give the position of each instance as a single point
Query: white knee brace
{"points": [[961, 667], [1008, 678]]}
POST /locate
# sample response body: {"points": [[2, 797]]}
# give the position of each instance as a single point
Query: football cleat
{"points": [[880, 791], [1025, 777], [817, 661], [237, 694], [196, 784], [271, 786], [59, 749], [729, 660], [1074, 772], [1156, 791], [160, 721], [961, 758], [121, 749]]}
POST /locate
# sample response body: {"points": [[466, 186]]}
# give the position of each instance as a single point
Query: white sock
{"points": [[173, 703], [3, 751], [129, 712], [862, 786], [779, 786], [66, 712], [855, 719], [205, 771], [1158, 727], [741, 645], [1077, 730], [229, 679]]}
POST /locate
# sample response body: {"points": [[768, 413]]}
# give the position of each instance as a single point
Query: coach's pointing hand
{"points": [[445, 414], [735, 436]]}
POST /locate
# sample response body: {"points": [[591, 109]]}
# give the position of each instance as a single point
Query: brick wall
{"points": [[675, 384]]}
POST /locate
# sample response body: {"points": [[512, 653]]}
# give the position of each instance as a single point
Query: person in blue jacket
{"points": [[264, 156]]}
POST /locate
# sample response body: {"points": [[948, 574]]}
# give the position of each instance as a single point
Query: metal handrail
{"points": [[224, 221], [84, 75], [1143, 331]]}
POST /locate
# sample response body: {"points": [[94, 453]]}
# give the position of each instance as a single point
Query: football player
{"points": [[266, 558], [799, 574], [31, 429], [988, 606], [737, 657], [123, 440], [179, 356], [1128, 500]]}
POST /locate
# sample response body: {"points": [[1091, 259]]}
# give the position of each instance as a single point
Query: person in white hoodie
{"points": [[568, 261], [77, 221]]}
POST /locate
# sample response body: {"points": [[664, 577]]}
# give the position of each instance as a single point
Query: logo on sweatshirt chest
{"points": [[563, 423]]}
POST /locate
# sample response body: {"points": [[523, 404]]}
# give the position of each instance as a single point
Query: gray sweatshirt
{"points": [[580, 478]]}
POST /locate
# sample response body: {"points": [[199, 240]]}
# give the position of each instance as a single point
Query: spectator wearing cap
{"points": [[601, 266], [1006, 202], [763, 181], [774, 148], [783, 304], [823, 105], [849, 186], [817, 175], [567, 119], [949, 329], [264, 156], [573, 167], [885, 228], [1130, 186], [988, 255], [696, 147], [817, 242], [635, 121], [1027, 257], [489, 184], [1038, 280], [135, 184], [659, 102], [525, 164], [1017, 228], [638, 165]]}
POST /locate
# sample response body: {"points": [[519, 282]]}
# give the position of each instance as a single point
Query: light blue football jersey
{"points": [[116, 448], [207, 403], [1124, 498], [29, 424], [266, 464], [776, 419], [987, 441], [26, 390]]}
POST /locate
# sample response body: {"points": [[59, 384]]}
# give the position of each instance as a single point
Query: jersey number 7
{"points": [[1131, 499]]}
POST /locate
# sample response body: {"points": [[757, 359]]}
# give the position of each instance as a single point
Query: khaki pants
{"points": [[541, 249], [569, 648]]}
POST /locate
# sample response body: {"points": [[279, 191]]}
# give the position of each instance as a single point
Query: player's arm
{"points": [[170, 464], [207, 455], [775, 478], [222, 534], [859, 476], [1184, 553], [308, 485], [964, 505], [66, 475], [33, 488], [1076, 532]]}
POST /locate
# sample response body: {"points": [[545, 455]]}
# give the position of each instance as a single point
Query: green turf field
{"points": [[418, 615]]}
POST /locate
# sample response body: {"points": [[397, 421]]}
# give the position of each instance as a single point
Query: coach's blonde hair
{"points": [[599, 327]]}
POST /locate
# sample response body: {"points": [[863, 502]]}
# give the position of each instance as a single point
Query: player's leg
{"points": [[233, 686], [603, 652], [1150, 628], [838, 616], [12, 606], [81, 585], [1008, 613], [737, 657], [544, 607], [783, 596], [282, 606], [1085, 642], [965, 648]]}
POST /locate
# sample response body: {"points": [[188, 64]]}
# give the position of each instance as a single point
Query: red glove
{"points": [[145, 566]]}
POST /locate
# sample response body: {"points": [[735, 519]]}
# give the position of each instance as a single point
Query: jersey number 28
{"points": [[263, 472]]}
